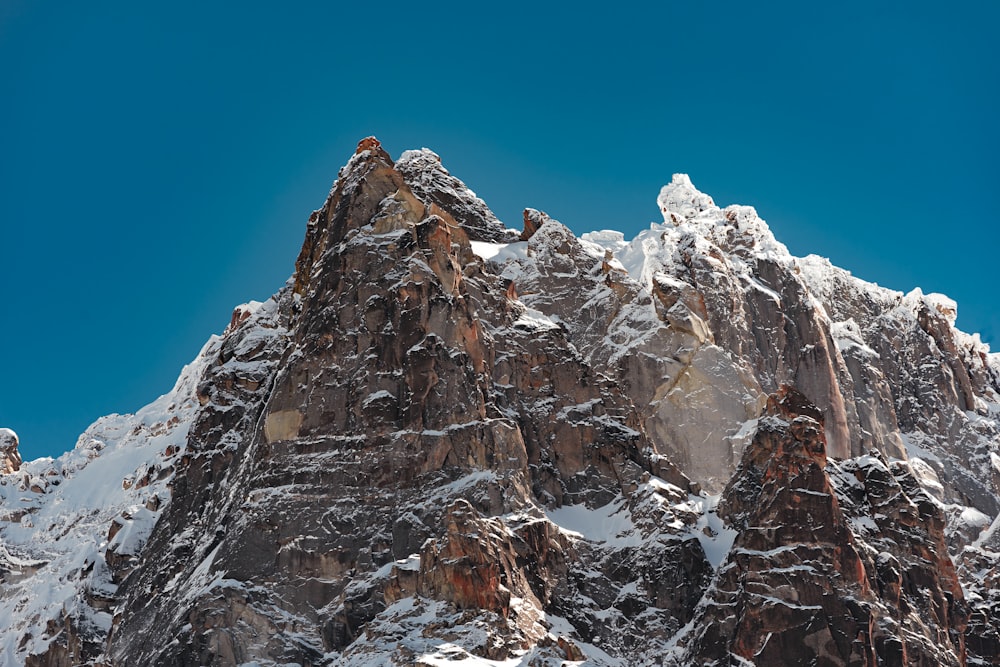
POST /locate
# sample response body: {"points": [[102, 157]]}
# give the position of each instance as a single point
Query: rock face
{"points": [[445, 440], [833, 564], [794, 572]]}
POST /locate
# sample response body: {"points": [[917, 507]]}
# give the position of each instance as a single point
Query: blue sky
{"points": [[158, 161]]}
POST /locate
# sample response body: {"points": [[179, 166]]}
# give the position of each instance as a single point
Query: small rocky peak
{"points": [[372, 145], [361, 187], [533, 220], [786, 514], [787, 452], [10, 458], [435, 186], [790, 432], [933, 302], [789, 403], [680, 200]]}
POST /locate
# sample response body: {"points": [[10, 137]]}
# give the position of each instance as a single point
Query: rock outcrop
{"points": [[833, 564], [10, 458]]}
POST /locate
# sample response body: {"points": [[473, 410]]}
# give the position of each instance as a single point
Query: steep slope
{"points": [[834, 563], [416, 406], [71, 528], [703, 315], [445, 441]]}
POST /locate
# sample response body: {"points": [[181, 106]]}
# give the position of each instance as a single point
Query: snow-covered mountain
{"points": [[445, 442]]}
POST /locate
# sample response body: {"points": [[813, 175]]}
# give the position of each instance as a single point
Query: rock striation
{"points": [[444, 440]]}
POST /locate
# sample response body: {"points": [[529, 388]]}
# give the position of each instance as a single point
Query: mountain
{"points": [[445, 442]]}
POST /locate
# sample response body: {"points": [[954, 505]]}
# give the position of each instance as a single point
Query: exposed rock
{"points": [[441, 443], [10, 458], [922, 613], [407, 379], [533, 219], [811, 583]]}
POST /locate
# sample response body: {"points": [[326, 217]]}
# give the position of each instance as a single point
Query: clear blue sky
{"points": [[158, 161]]}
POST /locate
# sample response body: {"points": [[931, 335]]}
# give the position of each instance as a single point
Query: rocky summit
{"points": [[449, 442]]}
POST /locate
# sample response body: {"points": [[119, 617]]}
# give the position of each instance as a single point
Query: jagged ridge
{"points": [[445, 439]]}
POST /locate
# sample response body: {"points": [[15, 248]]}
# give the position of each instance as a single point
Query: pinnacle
{"points": [[10, 459], [680, 200], [367, 144]]}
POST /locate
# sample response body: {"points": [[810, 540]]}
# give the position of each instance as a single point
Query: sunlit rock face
{"points": [[448, 440]]}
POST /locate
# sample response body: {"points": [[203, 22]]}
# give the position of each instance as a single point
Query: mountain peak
{"points": [[368, 144], [443, 444], [681, 200]]}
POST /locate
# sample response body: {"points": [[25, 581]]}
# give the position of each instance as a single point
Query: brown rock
{"points": [[570, 649], [533, 219], [473, 566], [808, 589]]}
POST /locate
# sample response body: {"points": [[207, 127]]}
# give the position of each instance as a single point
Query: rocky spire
{"points": [[10, 458], [680, 200]]}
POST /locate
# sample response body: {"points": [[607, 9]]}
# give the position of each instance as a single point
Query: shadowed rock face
{"points": [[444, 440]]}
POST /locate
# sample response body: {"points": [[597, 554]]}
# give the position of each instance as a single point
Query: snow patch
{"points": [[715, 537], [488, 250], [535, 320], [610, 524]]}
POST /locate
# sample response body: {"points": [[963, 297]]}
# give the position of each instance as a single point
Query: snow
{"points": [[847, 335], [927, 477], [510, 252], [681, 198], [451, 655], [973, 518], [759, 286], [692, 220], [939, 302], [379, 395], [715, 537], [535, 320], [472, 479], [606, 238], [487, 250], [986, 536], [611, 525], [914, 450], [68, 526]]}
